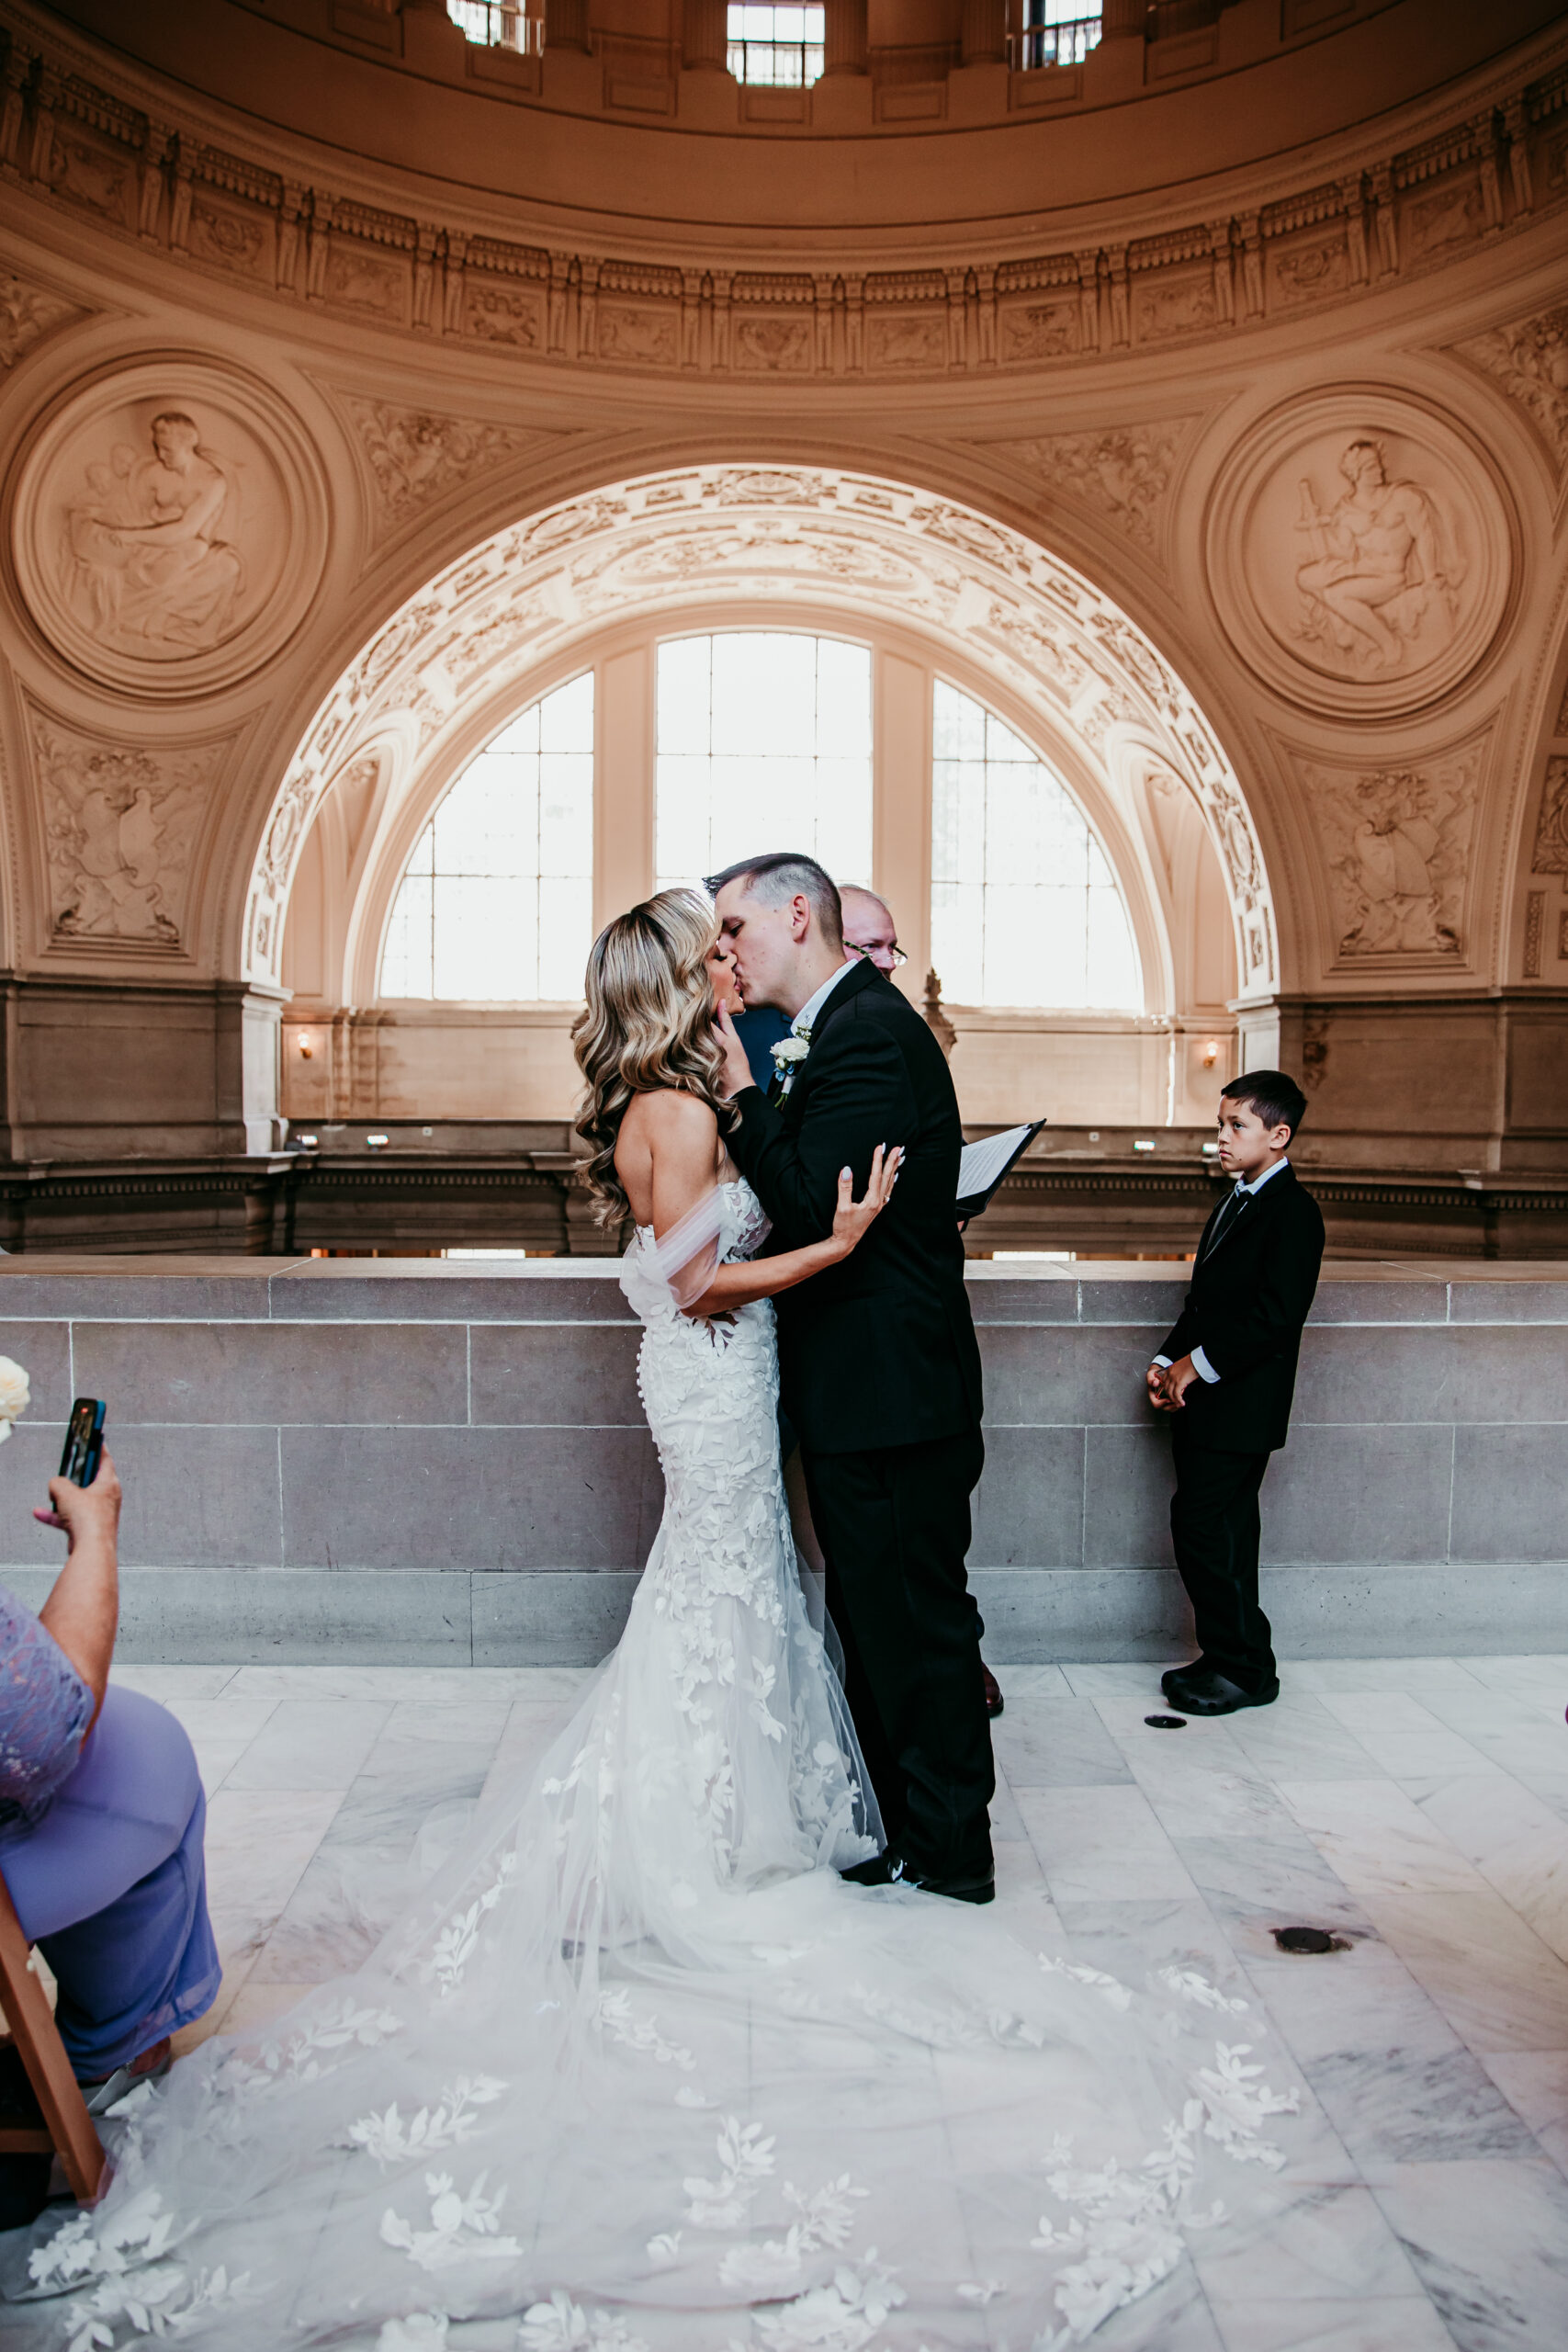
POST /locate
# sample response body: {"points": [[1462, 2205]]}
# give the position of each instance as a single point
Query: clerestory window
{"points": [[1025, 909], [781, 46], [1056, 32], [500, 24], [496, 902]]}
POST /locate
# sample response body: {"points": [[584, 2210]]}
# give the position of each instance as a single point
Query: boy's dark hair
{"points": [[1276, 1098], [782, 875]]}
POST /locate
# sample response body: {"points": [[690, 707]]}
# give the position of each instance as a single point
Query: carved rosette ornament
{"points": [[721, 536], [170, 526], [1361, 552]]}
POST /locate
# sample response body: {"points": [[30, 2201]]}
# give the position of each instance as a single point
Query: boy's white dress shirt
{"points": [[1200, 1364]]}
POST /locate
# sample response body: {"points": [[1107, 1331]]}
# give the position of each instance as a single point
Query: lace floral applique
{"points": [[460, 2227], [561, 2326], [123, 2254], [420, 2332], [388, 2140], [1115, 1991], [623, 2024], [844, 2316], [825, 2220], [455, 1945], [747, 2160]]}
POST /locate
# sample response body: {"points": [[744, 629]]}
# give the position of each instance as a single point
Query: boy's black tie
{"points": [[1229, 1212]]}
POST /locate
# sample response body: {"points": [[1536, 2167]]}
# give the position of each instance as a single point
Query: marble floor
{"points": [[1418, 1808]]}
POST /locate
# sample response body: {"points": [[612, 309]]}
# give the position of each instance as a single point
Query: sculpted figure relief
{"points": [[1381, 572], [146, 566], [1398, 849], [119, 824]]}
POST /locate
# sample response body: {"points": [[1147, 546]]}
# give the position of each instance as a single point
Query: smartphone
{"points": [[84, 1441]]}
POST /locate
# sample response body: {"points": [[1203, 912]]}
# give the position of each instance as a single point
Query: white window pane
{"points": [[565, 912], [486, 938], [683, 671], [1025, 908], [785, 763], [405, 961], [566, 717], [516, 826]]}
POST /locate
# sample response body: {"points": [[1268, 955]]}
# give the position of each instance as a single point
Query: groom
{"points": [[878, 1363]]}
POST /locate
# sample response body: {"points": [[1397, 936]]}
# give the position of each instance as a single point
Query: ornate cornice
{"points": [[219, 211]]}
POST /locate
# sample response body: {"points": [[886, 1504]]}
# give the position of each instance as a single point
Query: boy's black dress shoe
{"points": [[890, 1868], [1204, 1690]]}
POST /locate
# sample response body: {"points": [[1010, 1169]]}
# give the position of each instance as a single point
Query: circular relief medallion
{"points": [[170, 526], [1360, 553]]}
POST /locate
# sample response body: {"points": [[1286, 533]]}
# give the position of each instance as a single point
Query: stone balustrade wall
{"points": [[406, 1463]]}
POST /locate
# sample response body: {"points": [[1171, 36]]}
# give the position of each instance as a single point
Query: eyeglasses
{"points": [[898, 955]]}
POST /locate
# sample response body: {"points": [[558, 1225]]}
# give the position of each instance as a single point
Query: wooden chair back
{"points": [[69, 2131]]}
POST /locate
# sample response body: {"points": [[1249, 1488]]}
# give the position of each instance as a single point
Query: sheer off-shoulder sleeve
{"points": [[45, 1708]]}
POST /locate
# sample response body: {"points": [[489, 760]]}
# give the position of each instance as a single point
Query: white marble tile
{"points": [[1007, 1821], [1487, 2242], [306, 1744], [258, 1845], [1369, 1713], [1535, 2083], [1376, 1838], [1298, 1739], [1119, 1680], [231, 1715], [1419, 1675], [1496, 1983], [1057, 1743], [1100, 1843], [1546, 1670], [1437, 1754], [450, 1686], [1329, 2324], [1519, 1847], [1329, 2242], [174, 1681], [1031, 1682], [531, 1724], [1202, 1788]]}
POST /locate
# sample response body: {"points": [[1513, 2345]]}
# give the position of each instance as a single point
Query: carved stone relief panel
{"points": [[418, 455], [170, 526], [28, 313], [1361, 553], [1550, 855], [120, 826], [1397, 836], [1530, 360], [1123, 472]]}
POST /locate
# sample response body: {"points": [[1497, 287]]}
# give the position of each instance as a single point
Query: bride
{"points": [[637, 2071]]}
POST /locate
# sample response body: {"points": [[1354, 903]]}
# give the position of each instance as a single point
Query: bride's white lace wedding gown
{"points": [[638, 2070]]}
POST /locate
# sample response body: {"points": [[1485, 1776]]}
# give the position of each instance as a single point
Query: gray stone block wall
{"points": [[399, 1462]]}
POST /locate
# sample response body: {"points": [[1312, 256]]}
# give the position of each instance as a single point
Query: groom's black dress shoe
{"points": [[1204, 1691], [890, 1868]]}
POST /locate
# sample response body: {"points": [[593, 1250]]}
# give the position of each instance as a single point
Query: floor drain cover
{"points": [[1306, 1939], [1167, 1722]]}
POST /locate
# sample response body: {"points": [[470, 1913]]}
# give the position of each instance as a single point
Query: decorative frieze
{"points": [[223, 211], [1550, 855]]}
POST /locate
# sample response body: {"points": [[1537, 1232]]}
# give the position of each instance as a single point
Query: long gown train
{"points": [[637, 2072]]}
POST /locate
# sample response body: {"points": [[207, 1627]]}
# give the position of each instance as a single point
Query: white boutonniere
{"points": [[787, 1057]]}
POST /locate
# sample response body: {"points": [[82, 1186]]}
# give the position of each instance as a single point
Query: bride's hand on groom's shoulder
{"points": [[852, 1220]]}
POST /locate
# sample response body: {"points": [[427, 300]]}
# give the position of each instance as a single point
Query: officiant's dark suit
{"points": [[880, 1372], [1253, 1282]]}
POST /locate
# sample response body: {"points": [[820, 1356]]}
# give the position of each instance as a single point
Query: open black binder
{"points": [[983, 1165]]}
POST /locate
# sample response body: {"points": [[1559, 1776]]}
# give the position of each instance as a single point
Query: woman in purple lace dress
{"points": [[101, 1820]]}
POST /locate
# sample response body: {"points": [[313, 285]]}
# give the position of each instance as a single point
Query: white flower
{"points": [[14, 1394], [790, 1049], [420, 2332]]}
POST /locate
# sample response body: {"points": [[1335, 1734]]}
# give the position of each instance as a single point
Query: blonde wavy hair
{"points": [[648, 1023]]}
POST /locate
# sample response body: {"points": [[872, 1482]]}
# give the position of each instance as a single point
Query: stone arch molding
{"points": [[732, 535]]}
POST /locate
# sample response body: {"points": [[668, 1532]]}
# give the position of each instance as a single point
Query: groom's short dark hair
{"points": [[782, 875]]}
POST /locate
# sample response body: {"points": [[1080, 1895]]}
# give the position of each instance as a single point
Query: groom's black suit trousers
{"points": [[894, 1525]]}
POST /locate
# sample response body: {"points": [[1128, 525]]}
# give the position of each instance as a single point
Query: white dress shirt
{"points": [[1200, 1364], [806, 1017]]}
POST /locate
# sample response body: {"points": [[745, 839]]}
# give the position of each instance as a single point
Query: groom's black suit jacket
{"points": [[1249, 1300], [880, 1349]]}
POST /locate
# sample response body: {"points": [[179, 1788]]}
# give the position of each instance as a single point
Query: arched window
{"points": [[1025, 909], [496, 902], [764, 744]]}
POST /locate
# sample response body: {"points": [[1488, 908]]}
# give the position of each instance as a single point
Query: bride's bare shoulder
{"points": [[667, 1115]]}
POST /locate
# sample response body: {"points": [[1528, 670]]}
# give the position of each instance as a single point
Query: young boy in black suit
{"points": [[1226, 1375]]}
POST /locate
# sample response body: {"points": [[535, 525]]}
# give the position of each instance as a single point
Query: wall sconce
{"points": [[1211, 1053], [306, 1048]]}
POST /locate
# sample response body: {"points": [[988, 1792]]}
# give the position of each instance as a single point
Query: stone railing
{"points": [[447, 1463]]}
